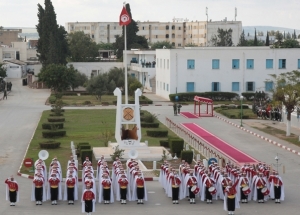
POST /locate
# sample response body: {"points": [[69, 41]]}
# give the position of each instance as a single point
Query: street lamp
{"points": [[241, 98], [277, 159]]}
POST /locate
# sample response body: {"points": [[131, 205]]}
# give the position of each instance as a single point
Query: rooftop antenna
{"points": [[207, 14], [235, 14]]}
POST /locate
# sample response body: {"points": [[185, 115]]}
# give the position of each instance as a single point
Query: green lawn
{"points": [[235, 113], [82, 126]]}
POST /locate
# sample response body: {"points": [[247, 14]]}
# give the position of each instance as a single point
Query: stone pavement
{"points": [[20, 115]]}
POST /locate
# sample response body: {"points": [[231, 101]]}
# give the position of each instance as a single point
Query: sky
{"points": [[279, 13]]}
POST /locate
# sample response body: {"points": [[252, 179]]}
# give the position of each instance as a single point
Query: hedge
{"points": [[51, 134], [52, 99], [49, 145], [56, 119], [62, 110], [58, 125], [164, 143], [176, 145], [80, 144], [157, 133], [55, 114], [187, 156], [244, 106], [149, 125], [86, 153]]}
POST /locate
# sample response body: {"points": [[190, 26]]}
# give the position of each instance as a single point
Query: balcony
{"points": [[150, 70]]}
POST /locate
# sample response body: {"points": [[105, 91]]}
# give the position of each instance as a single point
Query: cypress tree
{"points": [[294, 35], [242, 41], [255, 39], [267, 40]]}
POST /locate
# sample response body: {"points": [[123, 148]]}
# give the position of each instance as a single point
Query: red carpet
{"points": [[189, 115], [219, 144]]}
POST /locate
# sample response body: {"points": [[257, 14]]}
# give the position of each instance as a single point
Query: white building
{"points": [[227, 69]]}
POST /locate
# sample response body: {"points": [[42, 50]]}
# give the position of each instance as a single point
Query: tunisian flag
{"points": [[124, 17]]}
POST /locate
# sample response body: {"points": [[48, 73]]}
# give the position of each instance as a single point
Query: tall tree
{"points": [[224, 38], [161, 45], [267, 40], [51, 46], [290, 43], [286, 92], [255, 38], [279, 38], [82, 47], [288, 36], [133, 41], [242, 41], [294, 35]]}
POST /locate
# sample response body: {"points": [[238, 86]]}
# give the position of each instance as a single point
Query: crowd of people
{"points": [[231, 184]]}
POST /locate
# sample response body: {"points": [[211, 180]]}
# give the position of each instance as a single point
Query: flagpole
{"points": [[125, 59]]}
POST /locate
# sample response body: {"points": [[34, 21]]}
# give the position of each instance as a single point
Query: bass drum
{"points": [[246, 190], [195, 189], [265, 191], [212, 190]]}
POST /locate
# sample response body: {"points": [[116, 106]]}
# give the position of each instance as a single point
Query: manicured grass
{"points": [[235, 113], [82, 126], [281, 134]]}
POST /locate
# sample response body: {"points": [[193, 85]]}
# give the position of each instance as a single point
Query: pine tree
{"points": [[52, 45], [255, 39], [242, 41], [294, 35], [267, 40]]}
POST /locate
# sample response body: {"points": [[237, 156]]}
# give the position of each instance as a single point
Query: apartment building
{"points": [[7, 36], [178, 33]]}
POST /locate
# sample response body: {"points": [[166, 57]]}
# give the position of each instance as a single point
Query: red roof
{"points": [[202, 99]]}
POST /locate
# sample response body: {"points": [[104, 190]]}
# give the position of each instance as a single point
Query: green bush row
{"points": [[176, 145], [157, 133], [187, 156], [149, 125], [86, 153], [164, 143], [58, 125], [49, 145], [51, 134], [56, 114], [56, 119]]}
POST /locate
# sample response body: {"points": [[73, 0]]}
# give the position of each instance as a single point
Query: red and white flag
{"points": [[124, 17]]}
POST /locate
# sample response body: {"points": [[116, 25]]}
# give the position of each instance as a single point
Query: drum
{"points": [[195, 189], [246, 190], [212, 190], [265, 191]]}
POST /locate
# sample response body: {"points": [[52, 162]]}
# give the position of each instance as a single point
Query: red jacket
{"points": [[12, 185]]}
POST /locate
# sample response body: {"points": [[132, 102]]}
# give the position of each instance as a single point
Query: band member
{"points": [[230, 200], [175, 184], [276, 188], [243, 184], [88, 200], [38, 191], [105, 190], [123, 193], [54, 189], [259, 184], [208, 185], [12, 191], [139, 192], [71, 191], [190, 181]]}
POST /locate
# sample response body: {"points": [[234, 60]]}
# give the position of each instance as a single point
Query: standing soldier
{"points": [[175, 184], [105, 190], [175, 109], [71, 192], [54, 191], [276, 188], [38, 192], [139, 192], [4, 94], [12, 190], [230, 200], [88, 200], [178, 108], [123, 189]]}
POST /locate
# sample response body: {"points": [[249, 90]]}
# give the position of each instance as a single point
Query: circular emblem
{"points": [[125, 18], [128, 113]]}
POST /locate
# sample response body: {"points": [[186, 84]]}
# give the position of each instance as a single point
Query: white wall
{"points": [[203, 75]]}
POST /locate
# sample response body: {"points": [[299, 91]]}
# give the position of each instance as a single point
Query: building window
{"points": [[167, 35], [164, 86], [298, 63], [250, 63], [173, 44], [215, 86], [167, 63], [173, 35], [235, 64], [179, 28], [167, 27], [215, 64], [190, 86], [269, 63], [269, 85], [282, 63], [156, 36], [168, 87], [235, 86], [160, 63], [250, 86], [173, 27], [191, 64], [179, 44]]}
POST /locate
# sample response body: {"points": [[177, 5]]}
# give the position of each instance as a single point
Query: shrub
{"points": [[149, 118], [80, 144], [86, 153], [176, 145], [56, 114], [187, 156], [56, 119], [104, 103], [51, 134], [62, 110], [117, 153], [164, 143], [52, 99], [157, 133], [150, 125], [59, 125], [49, 145], [87, 103], [244, 107]]}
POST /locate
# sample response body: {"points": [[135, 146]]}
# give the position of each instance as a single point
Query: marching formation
{"points": [[232, 184]]}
